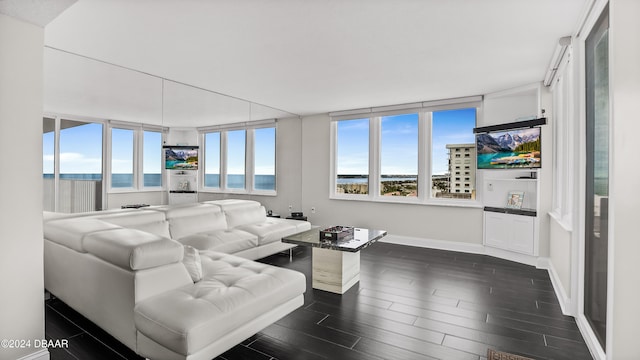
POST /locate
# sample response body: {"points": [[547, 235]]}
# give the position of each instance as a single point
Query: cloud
{"points": [[76, 163]]}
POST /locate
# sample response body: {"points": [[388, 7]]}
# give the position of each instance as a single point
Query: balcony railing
{"points": [[74, 195]]}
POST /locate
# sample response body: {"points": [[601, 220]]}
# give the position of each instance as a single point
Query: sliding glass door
{"points": [[597, 177]]}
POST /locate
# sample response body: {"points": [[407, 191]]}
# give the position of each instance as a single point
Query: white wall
{"points": [[21, 245], [623, 316], [288, 170], [560, 256], [423, 222], [514, 105]]}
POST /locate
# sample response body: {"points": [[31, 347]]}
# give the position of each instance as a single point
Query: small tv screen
{"points": [[181, 157], [510, 149]]}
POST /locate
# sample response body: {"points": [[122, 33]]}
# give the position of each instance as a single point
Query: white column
{"points": [[21, 245]]}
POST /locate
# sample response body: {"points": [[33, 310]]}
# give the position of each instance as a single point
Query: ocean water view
{"points": [[234, 181], [350, 179], [117, 180]]}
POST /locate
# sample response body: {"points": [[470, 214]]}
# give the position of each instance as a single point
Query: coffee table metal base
{"points": [[333, 270]]}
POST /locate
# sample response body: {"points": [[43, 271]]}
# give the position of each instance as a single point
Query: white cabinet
{"points": [[183, 186], [182, 198], [510, 232]]}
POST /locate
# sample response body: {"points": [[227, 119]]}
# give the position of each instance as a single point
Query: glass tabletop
{"points": [[361, 239]]}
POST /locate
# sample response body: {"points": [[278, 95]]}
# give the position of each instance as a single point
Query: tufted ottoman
{"points": [[235, 299]]}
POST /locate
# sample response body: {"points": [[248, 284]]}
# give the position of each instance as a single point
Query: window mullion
{"points": [[374, 157], [56, 164], [223, 160], [249, 165], [424, 156], [138, 142]]}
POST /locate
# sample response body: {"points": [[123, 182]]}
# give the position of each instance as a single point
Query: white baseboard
{"points": [[434, 244], [465, 248], [590, 338], [512, 256], [42, 354], [565, 301]]}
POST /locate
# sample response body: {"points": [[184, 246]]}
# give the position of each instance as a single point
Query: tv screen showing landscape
{"points": [[510, 149], [181, 157]]}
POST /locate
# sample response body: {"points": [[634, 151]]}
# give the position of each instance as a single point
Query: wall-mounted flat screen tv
{"points": [[509, 149], [180, 157]]}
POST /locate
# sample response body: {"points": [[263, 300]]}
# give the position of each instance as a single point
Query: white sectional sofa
{"points": [[124, 271]]}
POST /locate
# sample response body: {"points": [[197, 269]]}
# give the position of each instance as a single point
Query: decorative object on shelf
{"points": [[337, 233], [183, 185], [514, 200]]}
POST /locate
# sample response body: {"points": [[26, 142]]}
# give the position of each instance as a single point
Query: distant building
{"points": [[462, 170]]}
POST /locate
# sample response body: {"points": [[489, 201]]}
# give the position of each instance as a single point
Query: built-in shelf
{"points": [[507, 229], [183, 185], [523, 212]]}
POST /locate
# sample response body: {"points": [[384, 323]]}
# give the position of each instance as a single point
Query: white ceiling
{"points": [[302, 57]]}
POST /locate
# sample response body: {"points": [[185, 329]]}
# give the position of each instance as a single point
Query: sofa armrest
{"points": [[133, 249]]}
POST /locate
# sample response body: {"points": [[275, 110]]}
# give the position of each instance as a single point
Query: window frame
{"points": [[138, 156], [134, 154], [249, 174], [424, 111]]}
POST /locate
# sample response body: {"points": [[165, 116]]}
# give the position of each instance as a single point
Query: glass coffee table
{"points": [[335, 265]]}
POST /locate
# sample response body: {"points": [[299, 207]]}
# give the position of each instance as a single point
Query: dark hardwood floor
{"points": [[411, 303]]}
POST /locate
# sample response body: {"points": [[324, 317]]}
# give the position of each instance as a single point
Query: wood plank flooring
{"points": [[411, 303]]}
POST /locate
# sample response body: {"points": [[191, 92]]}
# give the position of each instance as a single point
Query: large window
{"points": [[425, 155], [352, 157], [453, 153], [136, 157], [48, 163], [121, 158], [75, 157], [236, 159], [264, 176], [80, 150], [212, 160], [399, 155], [240, 159], [597, 177], [152, 158], [72, 165]]}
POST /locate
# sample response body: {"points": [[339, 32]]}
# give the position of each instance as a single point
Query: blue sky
{"points": [[265, 140], [450, 127], [399, 142], [81, 146], [81, 151]]}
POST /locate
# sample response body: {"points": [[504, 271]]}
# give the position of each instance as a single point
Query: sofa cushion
{"points": [[192, 263], [226, 241], [270, 230], [133, 249], [229, 204], [160, 228], [232, 292], [299, 224], [244, 216], [70, 232], [146, 220], [133, 217], [196, 220]]}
